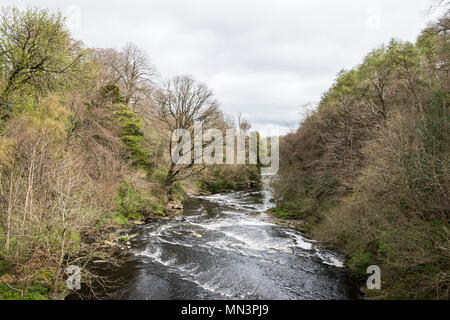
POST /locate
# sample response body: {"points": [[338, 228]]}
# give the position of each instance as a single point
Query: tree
{"points": [[137, 74], [35, 52], [406, 62], [377, 70], [130, 69], [242, 123], [435, 4], [179, 104]]}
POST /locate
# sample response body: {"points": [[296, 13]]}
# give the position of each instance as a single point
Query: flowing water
{"points": [[225, 248]]}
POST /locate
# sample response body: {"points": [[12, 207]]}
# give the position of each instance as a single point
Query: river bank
{"points": [[239, 224]]}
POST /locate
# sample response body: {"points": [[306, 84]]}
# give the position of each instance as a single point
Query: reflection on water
{"points": [[224, 249]]}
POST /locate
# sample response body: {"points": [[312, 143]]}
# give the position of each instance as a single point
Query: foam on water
{"points": [[330, 259], [240, 231], [198, 247]]}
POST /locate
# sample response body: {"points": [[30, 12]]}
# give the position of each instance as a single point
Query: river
{"points": [[225, 247]]}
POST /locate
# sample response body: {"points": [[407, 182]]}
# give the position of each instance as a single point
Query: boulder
{"points": [[173, 208], [150, 220]]}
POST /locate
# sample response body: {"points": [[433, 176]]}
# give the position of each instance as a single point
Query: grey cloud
{"points": [[263, 58]]}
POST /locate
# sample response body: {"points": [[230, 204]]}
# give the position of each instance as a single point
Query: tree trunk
{"points": [[170, 176], [8, 218], [60, 264], [28, 198]]}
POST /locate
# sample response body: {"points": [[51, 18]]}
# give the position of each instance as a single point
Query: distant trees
{"points": [[130, 69], [135, 74], [437, 4], [243, 123]]}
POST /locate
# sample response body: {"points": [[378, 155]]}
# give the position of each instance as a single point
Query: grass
{"points": [[34, 293], [282, 214]]}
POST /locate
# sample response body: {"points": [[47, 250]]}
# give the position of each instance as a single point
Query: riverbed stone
{"points": [[173, 208]]}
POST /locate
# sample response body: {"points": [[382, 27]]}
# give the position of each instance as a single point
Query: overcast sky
{"points": [[266, 59]]}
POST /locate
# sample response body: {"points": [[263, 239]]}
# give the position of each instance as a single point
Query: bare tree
{"points": [[435, 4], [179, 104], [130, 69], [135, 74], [242, 123]]}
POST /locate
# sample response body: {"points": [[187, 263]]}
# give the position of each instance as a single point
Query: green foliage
{"points": [[436, 126], [66, 142], [112, 218], [130, 201], [160, 175], [282, 214], [34, 293], [345, 86], [177, 190], [132, 135], [220, 179], [37, 291], [5, 266], [111, 94], [38, 55], [134, 204], [311, 201], [359, 261], [368, 171]]}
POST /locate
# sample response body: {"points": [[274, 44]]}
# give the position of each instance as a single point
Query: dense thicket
{"points": [[369, 169]]}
